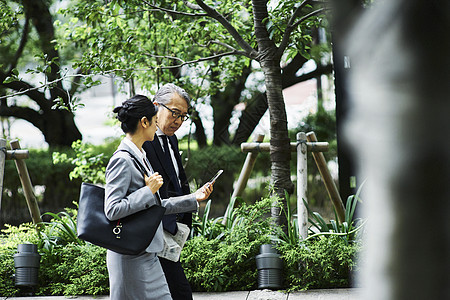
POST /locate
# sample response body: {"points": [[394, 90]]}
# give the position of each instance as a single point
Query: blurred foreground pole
{"points": [[2, 166], [344, 14], [400, 108]]}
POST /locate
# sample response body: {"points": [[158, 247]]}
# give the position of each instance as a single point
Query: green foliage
{"points": [[327, 257], [163, 41], [89, 165], [60, 231], [219, 254], [347, 230], [203, 164], [75, 270], [326, 262], [209, 228], [218, 262], [68, 266]]}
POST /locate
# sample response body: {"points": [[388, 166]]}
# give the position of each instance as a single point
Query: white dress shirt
{"points": [[161, 136]]}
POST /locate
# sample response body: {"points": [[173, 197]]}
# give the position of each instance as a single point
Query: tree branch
{"points": [[174, 11], [23, 41], [183, 63], [251, 53], [43, 23], [191, 5], [24, 88], [297, 12], [291, 25], [76, 82], [24, 113], [314, 13], [219, 43], [291, 80]]}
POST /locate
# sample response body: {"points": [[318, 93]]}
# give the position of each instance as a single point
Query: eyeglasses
{"points": [[176, 115]]}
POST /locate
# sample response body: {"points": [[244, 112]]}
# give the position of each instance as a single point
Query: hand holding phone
{"points": [[214, 178]]}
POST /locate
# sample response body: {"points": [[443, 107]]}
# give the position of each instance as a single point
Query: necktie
{"points": [[169, 166], [170, 221]]}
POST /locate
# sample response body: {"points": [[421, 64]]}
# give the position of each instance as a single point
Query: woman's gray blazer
{"points": [[126, 193]]}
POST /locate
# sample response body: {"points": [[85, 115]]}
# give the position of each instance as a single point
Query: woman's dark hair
{"points": [[133, 110]]}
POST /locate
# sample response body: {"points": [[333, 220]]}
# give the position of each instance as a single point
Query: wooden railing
{"points": [[305, 143], [19, 156]]}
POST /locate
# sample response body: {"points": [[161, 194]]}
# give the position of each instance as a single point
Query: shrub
{"points": [[74, 270], [218, 262], [326, 262], [68, 266], [220, 253], [327, 257]]}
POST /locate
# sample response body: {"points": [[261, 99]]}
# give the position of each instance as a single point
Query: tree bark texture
{"points": [[57, 126], [279, 140]]}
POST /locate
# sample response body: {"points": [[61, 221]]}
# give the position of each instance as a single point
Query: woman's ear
{"points": [[144, 122]]}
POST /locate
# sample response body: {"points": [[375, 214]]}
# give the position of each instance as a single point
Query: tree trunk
{"points": [[59, 128], [280, 153], [257, 107], [199, 134], [250, 118], [223, 104]]}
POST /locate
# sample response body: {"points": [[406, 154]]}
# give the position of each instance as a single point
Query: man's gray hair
{"points": [[165, 93]]}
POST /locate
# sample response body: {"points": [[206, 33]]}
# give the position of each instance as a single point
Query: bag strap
{"points": [[136, 162], [141, 168]]}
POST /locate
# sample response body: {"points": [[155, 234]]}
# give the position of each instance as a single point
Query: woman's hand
{"points": [[204, 192], [154, 181]]}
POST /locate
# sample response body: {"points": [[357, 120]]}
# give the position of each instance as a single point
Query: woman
{"points": [[128, 191]]}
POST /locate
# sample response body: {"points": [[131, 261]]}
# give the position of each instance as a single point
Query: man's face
{"points": [[166, 122]]}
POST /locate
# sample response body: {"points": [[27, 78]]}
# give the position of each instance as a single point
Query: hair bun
{"points": [[122, 113]]}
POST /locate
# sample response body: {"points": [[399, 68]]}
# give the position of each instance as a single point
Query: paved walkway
{"points": [[325, 294]]}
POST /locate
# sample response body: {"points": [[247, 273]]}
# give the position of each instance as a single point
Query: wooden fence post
{"points": [[2, 166], [302, 147], [302, 185], [246, 169], [321, 163], [27, 186]]}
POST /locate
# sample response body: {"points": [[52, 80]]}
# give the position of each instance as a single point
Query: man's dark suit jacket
{"points": [[155, 155]]}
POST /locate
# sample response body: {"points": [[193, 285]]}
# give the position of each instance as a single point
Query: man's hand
{"points": [[204, 192], [154, 181]]}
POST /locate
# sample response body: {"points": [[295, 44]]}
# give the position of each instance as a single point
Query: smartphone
{"points": [[212, 180]]}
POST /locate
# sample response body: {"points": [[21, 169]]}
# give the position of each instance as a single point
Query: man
{"points": [[173, 104]]}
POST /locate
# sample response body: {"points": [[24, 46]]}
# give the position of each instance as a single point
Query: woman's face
{"points": [[151, 130]]}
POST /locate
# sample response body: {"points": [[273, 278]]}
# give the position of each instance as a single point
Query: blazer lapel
{"points": [[183, 178], [155, 155]]}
